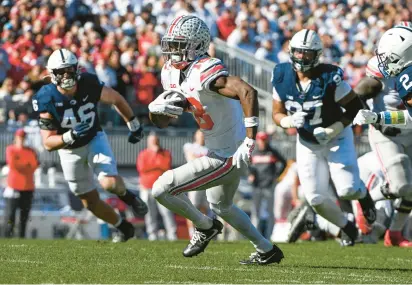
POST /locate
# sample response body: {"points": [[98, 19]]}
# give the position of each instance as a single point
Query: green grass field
{"points": [[62, 261]]}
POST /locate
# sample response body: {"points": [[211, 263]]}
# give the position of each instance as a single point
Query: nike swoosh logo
{"points": [[191, 89], [316, 97], [215, 232], [85, 98]]}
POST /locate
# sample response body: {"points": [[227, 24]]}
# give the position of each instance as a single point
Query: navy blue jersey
{"points": [[67, 111], [404, 83], [318, 101]]}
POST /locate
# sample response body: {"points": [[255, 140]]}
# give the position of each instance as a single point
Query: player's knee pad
{"points": [[163, 184], [403, 205], [220, 209]]}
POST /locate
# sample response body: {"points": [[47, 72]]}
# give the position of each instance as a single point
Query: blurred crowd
{"points": [[120, 40]]}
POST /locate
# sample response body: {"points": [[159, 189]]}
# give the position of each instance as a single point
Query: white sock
{"points": [[241, 222], [327, 226], [182, 206], [331, 212], [398, 221]]}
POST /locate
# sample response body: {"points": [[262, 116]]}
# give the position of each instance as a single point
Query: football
{"points": [[162, 121], [183, 104]]}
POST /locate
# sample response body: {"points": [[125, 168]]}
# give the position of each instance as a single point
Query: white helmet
{"points": [[186, 39], [63, 68], [305, 41], [395, 51], [405, 24], [372, 69]]}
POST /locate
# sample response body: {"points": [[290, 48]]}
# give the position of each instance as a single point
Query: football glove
{"points": [[365, 117], [79, 131], [297, 120], [136, 131], [244, 152], [162, 106], [324, 135]]}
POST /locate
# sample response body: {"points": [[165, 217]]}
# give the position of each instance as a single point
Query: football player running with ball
{"points": [[394, 56], [69, 123], [310, 96], [216, 101]]}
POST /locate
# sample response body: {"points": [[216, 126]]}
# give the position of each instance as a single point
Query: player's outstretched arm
{"points": [[112, 97], [399, 119], [235, 88]]}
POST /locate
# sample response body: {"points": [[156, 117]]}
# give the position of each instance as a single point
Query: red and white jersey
{"points": [[195, 149], [219, 118]]}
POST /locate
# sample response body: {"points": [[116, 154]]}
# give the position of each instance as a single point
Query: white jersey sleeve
{"points": [[208, 69]]}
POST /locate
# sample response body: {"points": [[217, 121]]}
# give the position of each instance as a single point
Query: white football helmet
{"points": [[405, 24], [187, 38], [63, 68], [395, 51], [305, 41]]}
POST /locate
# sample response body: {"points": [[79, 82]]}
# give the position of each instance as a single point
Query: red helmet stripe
{"points": [[174, 23]]}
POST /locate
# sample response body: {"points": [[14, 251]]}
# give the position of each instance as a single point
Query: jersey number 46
{"points": [[84, 113]]}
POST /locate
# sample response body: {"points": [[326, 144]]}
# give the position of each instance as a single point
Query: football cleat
{"points": [[361, 221], [349, 234], [273, 256], [127, 231], [395, 238], [138, 206], [201, 239], [368, 208], [298, 225]]}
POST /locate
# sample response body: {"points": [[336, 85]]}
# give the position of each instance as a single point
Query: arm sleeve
{"points": [[342, 90]]}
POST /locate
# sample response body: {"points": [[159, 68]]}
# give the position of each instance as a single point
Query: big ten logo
{"points": [[202, 118]]}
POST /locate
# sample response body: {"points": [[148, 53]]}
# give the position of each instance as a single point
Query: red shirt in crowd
{"points": [[151, 164], [22, 163]]}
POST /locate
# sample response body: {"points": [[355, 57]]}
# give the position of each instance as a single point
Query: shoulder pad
{"points": [[279, 72], [89, 78], [331, 73], [206, 69], [404, 82], [42, 98]]}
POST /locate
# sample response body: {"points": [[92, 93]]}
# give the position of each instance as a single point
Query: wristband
{"points": [[251, 122], [68, 137], [133, 124], [391, 118]]}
